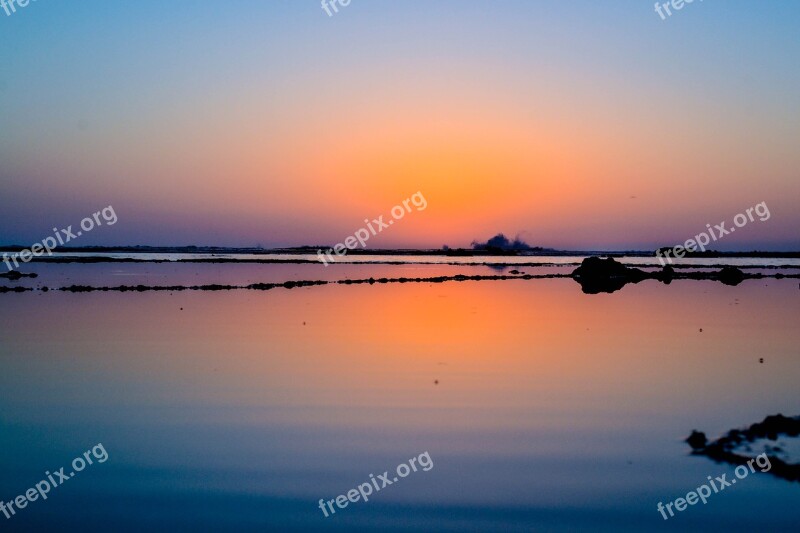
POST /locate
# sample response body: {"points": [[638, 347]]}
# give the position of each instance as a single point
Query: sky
{"points": [[573, 124]]}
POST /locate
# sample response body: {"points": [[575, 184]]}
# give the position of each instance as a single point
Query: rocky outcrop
{"points": [[597, 275], [726, 449]]}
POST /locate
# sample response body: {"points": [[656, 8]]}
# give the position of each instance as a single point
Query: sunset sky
{"points": [[576, 124]]}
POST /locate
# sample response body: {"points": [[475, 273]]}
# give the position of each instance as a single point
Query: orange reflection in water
{"points": [[512, 353]]}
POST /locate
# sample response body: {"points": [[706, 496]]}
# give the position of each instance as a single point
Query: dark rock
{"points": [[597, 275], [725, 448], [697, 440], [730, 275]]}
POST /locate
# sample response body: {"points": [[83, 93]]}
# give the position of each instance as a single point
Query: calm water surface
{"points": [[239, 410]]}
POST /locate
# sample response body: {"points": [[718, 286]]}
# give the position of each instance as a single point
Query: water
{"points": [[170, 269], [541, 408]]}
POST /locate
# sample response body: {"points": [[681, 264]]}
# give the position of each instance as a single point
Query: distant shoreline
{"points": [[459, 252]]}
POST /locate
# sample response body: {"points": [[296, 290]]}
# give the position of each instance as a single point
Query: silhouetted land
{"points": [[452, 252], [724, 449]]}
